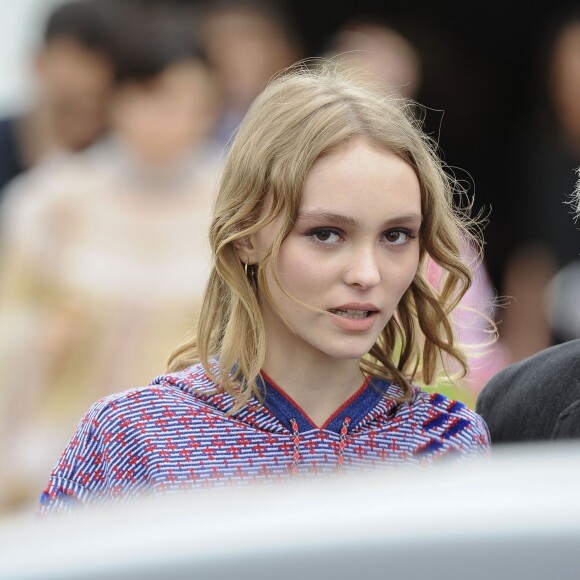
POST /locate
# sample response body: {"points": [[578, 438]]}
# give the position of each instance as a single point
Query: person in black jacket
{"points": [[536, 399]]}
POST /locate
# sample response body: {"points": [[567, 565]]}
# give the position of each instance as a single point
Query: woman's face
{"points": [[351, 254]]}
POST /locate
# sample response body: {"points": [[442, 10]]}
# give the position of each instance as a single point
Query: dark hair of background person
{"points": [[161, 34], [87, 22]]}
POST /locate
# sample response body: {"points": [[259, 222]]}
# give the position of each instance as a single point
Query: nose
{"points": [[363, 269]]}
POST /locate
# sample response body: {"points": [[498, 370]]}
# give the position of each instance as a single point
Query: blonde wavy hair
{"points": [[299, 117]]}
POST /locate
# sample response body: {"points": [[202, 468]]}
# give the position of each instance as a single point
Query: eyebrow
{"points": [[336, 218]]}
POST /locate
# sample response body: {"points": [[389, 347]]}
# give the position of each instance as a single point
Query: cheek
{"points": [[406, 272], [298, 274]]}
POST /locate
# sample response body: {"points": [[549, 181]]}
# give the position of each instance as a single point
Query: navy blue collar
{"points": [[284, 408]]}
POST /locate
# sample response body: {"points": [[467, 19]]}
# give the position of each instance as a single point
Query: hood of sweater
{"points": [[278, 413]]}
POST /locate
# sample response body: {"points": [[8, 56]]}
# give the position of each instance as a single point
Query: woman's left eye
{"points": [[398, 237]]}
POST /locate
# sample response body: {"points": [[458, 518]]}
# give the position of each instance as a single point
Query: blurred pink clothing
{"points": [[471, 323]]}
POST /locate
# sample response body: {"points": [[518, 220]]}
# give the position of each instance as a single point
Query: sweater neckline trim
{"points": [[286, 410]]}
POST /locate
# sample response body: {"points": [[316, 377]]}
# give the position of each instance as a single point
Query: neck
{"points": [[319, 386]]}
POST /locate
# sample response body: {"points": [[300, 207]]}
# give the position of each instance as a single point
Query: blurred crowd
{"points": [[108, 179]]}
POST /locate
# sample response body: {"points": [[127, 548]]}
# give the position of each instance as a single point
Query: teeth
{"points": [[351, 313]]}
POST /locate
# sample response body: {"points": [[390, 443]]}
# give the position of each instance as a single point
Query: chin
{"points": [[348, 353]]}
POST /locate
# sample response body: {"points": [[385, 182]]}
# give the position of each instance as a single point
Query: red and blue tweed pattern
{"points": [[176, 434]]}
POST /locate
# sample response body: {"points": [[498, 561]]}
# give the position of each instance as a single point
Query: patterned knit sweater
{"points": [[176, 434]]}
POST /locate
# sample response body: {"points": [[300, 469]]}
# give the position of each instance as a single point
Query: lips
{"points": [[354, 311]]}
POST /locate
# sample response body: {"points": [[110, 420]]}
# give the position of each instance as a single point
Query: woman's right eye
{"points": [[325, 236]]}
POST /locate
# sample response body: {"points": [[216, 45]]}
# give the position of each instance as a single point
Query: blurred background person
{"points": [[380, 50], [546, 309], [73, 76], [372, 47], [247, 42], [103, 255]]}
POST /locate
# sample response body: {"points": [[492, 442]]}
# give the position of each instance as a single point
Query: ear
{"points": [[246, 251]]}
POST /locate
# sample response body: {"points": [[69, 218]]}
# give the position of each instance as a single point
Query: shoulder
{"points": [[109, 449], [9, 147], [188, 388], [129, 410], [193, 379], [553, 371], [43, 189], [435, 405], [449, 420], [7, 126], [525, 400], [551, 364]]}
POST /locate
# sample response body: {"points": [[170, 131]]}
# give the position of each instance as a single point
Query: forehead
{"points": [[359, 178]]}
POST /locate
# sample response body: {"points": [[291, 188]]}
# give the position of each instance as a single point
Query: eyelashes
{"points": [[326, 236], [332, 236], [399, 237]]}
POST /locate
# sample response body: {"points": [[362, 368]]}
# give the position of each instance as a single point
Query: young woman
{"points": [[317, 316]]}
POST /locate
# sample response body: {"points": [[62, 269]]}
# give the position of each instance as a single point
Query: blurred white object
{"points": [[515, 515], [22, 23]]}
